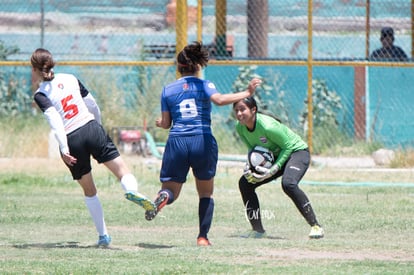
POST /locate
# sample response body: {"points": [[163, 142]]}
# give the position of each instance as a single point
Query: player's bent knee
{"points": [[244, 185], [289, 186]]}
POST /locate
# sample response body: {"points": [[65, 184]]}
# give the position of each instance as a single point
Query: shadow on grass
{"points": [[154, 246], [239, 236], [78, 245], [59, 245]]}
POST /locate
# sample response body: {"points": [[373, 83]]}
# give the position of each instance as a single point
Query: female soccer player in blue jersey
{"points": [[75, 119], [186, 111], [292, 161]]}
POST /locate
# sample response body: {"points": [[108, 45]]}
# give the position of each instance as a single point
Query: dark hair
{"points": [[251, 103], [42, 60], [191, 56], [387, 32]]}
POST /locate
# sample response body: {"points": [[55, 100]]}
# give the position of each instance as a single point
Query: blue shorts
{"points": [[200, 152], [86, 141]]}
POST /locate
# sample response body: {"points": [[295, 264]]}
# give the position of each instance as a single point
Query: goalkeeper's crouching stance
{"points": [[292, 161]]}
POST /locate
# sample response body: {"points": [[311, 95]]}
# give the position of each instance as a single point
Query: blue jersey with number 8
{"points": [[188, 101]]}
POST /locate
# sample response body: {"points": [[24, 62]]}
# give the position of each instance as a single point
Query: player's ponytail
{"points": [[192, 56], [42, 60]]}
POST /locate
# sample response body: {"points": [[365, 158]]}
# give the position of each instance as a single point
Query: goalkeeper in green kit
{"points": [[292, 161]]}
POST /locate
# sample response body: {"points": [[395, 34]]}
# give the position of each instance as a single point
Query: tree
{"points": [[326, 106], [13, 98], [5, 51], [269, 96]]}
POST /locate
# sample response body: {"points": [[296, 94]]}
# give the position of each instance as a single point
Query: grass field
{"points": [[46, 229]]}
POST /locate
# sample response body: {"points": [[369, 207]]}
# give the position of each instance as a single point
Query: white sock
{"points": [[96, 211], [129, 183]]}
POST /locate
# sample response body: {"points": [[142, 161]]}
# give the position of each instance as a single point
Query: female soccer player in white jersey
{"points": [[75, 119], [186, 111]]}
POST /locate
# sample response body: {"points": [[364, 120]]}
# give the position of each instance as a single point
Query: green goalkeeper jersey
{"points": [[273, 135]]}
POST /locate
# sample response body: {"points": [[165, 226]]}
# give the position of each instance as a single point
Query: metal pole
{"points": [[368, 28], [221, 29], [200, 20], [412, 28], [181, 23], [42, 23], [309, 63]]}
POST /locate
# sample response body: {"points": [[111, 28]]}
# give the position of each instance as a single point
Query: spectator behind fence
{"points": [[388, 51]]}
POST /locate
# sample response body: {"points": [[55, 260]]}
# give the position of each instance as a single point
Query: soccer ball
{"points": [[260, 156]]}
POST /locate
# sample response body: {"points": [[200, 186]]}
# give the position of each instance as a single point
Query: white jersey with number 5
{"points": [[65, 96]]}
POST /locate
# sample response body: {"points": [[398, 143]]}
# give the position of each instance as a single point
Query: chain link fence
{"points": [[123, 51]]}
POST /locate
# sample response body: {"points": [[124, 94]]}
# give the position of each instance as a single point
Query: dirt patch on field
{"points": [[296, 254], [285, 255]]}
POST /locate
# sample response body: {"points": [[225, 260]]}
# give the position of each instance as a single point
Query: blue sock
{"points": [[205, 215]]}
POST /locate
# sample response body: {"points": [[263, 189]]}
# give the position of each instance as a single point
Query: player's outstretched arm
{"points": [[225, 99]]}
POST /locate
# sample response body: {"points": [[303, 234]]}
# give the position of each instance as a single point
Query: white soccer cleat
{"points": [[316, 232]]}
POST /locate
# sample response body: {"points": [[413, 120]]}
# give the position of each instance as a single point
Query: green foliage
{"points": [[269, 96], [133, 99], [14, 98], [326, 105], [276, 105], [6, 51], [149, 84], [263, 93]]}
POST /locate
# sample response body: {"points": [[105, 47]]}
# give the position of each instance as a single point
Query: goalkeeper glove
{"points": [[262, 173], [247, 173]]}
